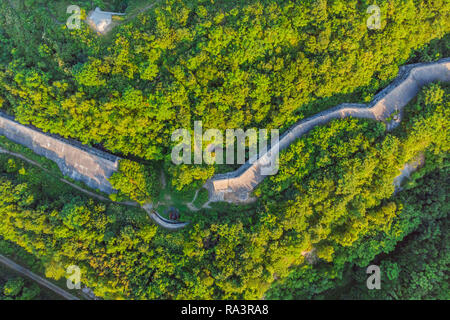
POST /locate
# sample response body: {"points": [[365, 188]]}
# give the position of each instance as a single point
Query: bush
{"points": [[140, 183]]}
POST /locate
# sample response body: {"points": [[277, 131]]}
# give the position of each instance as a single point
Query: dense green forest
{"points": [[16, 288], [332, 209], [334, 200], [230, 64]]}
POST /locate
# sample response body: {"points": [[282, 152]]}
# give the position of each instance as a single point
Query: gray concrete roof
{"points": [[101, 20]]}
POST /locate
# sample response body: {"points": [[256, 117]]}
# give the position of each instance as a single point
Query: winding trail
{"points": [[162, 222], [237, 186], [191, 205], [14, 266], [73, 185], [141, 10], [407, 170]]}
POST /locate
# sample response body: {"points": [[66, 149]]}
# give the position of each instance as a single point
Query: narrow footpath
{"points": [[27, 273]]}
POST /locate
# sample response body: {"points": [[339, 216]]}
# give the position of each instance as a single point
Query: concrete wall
{"points": [[236, 186], [81, 163], [94, 167]]}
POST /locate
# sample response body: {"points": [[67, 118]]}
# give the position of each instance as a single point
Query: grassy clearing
{"points": [[171, 198], [202, 198]]}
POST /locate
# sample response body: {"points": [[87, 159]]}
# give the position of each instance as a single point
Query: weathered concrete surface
{"points": [[81, 163], [163, 222], [89, 165], [101, 21], [236, 186]]}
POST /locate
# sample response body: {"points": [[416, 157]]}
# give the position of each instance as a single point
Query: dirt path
{"points": [[14, 266], [125, 20], [87, 192], [191, 205], [162, 222]]}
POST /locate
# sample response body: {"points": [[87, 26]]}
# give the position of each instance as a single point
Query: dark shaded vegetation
{"points": [[329, 213]]}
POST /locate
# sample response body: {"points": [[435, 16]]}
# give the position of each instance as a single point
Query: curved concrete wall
{"points": [[94, 167], [236, 186], [81, 163]]}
